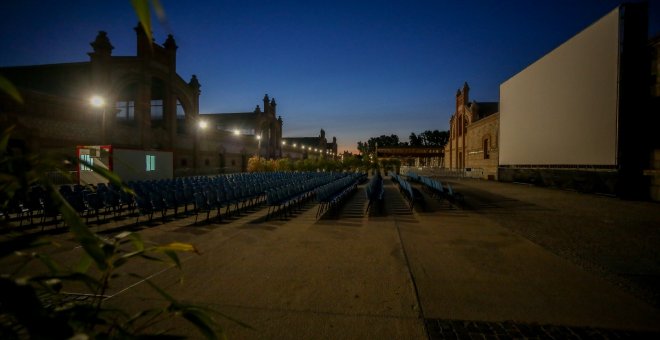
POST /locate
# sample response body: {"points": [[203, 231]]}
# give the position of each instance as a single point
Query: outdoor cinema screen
{"points": [[562, 109]]}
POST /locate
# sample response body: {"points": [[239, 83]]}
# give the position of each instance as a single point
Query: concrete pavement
{"points": [[358, 276], [514, 261]]}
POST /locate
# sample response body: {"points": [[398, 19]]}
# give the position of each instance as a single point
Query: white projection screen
{"points": [[562, 109]]}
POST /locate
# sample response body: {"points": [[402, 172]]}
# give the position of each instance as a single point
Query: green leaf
{"points": [[141, 8], [239, 322], [88, 240], [104, 172], [125, 257], [137, 241], [159, 9], [174, 257], [9, 88], [197, 315], [45, 259], [5, 136], [160, 291], [202, 321], [151, 258], [83, 265], [177, 246]]}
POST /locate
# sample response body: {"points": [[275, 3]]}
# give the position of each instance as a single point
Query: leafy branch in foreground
{"points": [[33, 303]]}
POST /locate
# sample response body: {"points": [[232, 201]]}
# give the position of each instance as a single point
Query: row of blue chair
{"points": [[289, 197], [436, 187], [407, 190], [168, 198], [205, 194], [38, 204], [98, 200], [375, 191], [333, 193], [28, 205]]}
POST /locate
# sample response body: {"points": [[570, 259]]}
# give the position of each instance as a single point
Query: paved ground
{"points": [[512, 262]]}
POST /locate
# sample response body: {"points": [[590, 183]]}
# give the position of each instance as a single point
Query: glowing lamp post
{"points": [[259, 147], [98, 102], [201, 126]]}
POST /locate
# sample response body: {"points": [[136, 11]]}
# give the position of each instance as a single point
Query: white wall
{"points": [[99, 158], [131, 164], [562, 109]]}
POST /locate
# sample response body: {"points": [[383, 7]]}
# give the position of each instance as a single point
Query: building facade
{"points": [[473, 136], [305, 147], [145, 105], [265, 126]]}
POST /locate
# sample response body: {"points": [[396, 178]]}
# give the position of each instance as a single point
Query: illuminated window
{"points": [[86, 160], [151, 162]]}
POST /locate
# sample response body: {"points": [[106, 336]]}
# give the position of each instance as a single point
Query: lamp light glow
{"points": [[97, 101]]}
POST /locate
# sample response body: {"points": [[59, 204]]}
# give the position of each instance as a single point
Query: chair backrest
{"points": [[200, 200]]}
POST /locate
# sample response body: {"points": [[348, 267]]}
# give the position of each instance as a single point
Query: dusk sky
{"points": [[357, 69]]}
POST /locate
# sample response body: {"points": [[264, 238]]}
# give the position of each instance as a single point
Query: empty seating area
{"points": [[333, 193], [214, 196], [411, 195], [435, 187], [375, 191]]}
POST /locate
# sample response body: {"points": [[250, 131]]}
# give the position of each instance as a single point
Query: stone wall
{"points": [[589, 181], [486, 128]]}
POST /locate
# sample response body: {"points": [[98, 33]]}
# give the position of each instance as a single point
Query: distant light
{"points": [[236, 132], [294, 145], [258, 136], [203, 124], [97, 101], [283, 142]]}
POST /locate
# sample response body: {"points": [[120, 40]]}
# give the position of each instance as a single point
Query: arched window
{"points": [[125, 104], [157, 102], [180, 111], [180, 117]]}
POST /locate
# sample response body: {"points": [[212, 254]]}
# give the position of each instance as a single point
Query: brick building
{"points": [[473, 136], [148, 106]]}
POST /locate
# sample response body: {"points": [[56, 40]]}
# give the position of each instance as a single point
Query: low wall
{"points": [[592, 181]]}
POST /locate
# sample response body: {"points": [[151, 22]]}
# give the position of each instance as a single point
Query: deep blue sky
{"points": [[357, 69]]}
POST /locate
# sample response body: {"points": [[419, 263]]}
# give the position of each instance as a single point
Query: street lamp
{"points": [[201, 126], [98, 102], [236, 132], [259, 147]]}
